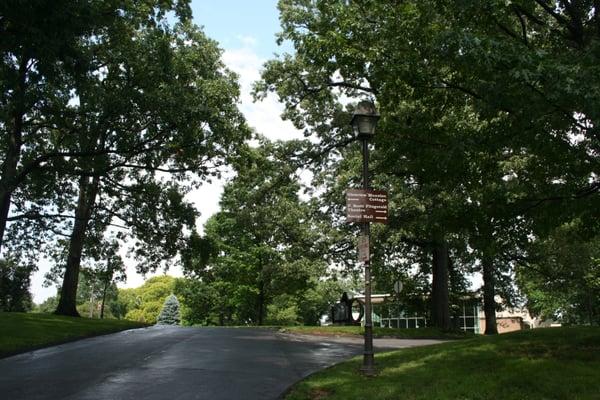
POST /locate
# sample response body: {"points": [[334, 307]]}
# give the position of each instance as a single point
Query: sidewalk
{"points": [[378, 343]]}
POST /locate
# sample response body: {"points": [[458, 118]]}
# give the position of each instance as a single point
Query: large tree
{"points": [[159, 103], [99, 100], [483, 125], [45, 47], [313, 84], [263, 236]]}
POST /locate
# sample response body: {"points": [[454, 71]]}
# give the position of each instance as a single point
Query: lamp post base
{"points": [[368, 366]]}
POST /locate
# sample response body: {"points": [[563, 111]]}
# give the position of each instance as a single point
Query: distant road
{"points": [[171, 363]]}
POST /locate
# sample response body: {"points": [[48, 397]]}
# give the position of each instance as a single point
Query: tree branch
{"points": [[36, 215], [352, 86]]}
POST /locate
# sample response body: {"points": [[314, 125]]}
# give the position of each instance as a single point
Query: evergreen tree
{"points": [[170, 314]]}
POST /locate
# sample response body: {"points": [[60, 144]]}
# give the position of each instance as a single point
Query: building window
{"points": [[392, 316]]}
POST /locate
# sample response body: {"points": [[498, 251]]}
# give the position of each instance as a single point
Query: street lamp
{"points": [[364, 120]]}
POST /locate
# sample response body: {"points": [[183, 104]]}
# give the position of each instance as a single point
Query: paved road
{"points": [[171, 363]]}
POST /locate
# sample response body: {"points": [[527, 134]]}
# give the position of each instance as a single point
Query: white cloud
{"points": [[264, 116], [39, 292], [248, 41], [206, 199]]}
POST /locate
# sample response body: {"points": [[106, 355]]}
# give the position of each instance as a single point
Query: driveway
{"points": [[174, 363]]}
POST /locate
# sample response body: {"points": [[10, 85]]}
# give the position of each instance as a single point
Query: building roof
{"points": [[375, 298]]}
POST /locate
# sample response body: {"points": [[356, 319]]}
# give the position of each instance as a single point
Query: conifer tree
{"points": [[170, 314]]}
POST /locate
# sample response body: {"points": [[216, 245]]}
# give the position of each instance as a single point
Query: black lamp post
{"points": [[363, 122]]}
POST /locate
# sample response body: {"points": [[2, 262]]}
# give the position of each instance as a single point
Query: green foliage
{"points": [[117, 308], [14, 286], [283, 310], [95, 288], [201, 303], [263, 240], [316, 300], [133, 91], [43, 70], [47, 306], [486, 136], [529, 364], [170, 314], [20, 332], [562, 278], [143, 304]]}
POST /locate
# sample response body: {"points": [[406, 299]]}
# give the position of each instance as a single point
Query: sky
{"points": [[245, 31]]}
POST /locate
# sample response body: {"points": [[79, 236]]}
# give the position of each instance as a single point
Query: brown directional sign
{"points": [[366, 206]]}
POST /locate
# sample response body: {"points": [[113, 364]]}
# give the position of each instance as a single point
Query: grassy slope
{"points": [[421, 333], [20, 332], [541, 364]]}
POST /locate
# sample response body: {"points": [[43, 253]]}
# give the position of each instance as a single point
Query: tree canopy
{"points": [[145, 110], [489, 133], [112, 112], [263, 236]]}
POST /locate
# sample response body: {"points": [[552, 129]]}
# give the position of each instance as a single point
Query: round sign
{"points": [[397, 286], [357, 310]]}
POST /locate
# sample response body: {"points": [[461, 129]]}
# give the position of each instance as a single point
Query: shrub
{"points": [[283, 311]]}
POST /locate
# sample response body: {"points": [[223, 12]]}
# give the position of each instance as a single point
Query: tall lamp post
{"points": [[363, 122]]}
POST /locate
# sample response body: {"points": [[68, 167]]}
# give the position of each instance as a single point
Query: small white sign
{"points": [[397, 286], [363, 249]]}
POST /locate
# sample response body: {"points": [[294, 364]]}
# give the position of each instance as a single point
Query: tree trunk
{"points": [[91, 304], [68, 294], [454, 288], [103, 298], [13, 149], [440, 307], [590, 307], [261, 304], [489, 291]]}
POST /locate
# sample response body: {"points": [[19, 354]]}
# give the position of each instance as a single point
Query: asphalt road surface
{"points": [[173, 363]]}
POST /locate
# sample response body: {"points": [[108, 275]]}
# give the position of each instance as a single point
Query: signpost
{"points": [[365, 205], [363, 249], [398, 287]]}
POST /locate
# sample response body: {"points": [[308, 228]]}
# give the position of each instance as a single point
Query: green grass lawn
{"points": [[421, 333], [554, 363], [20, 332]]}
